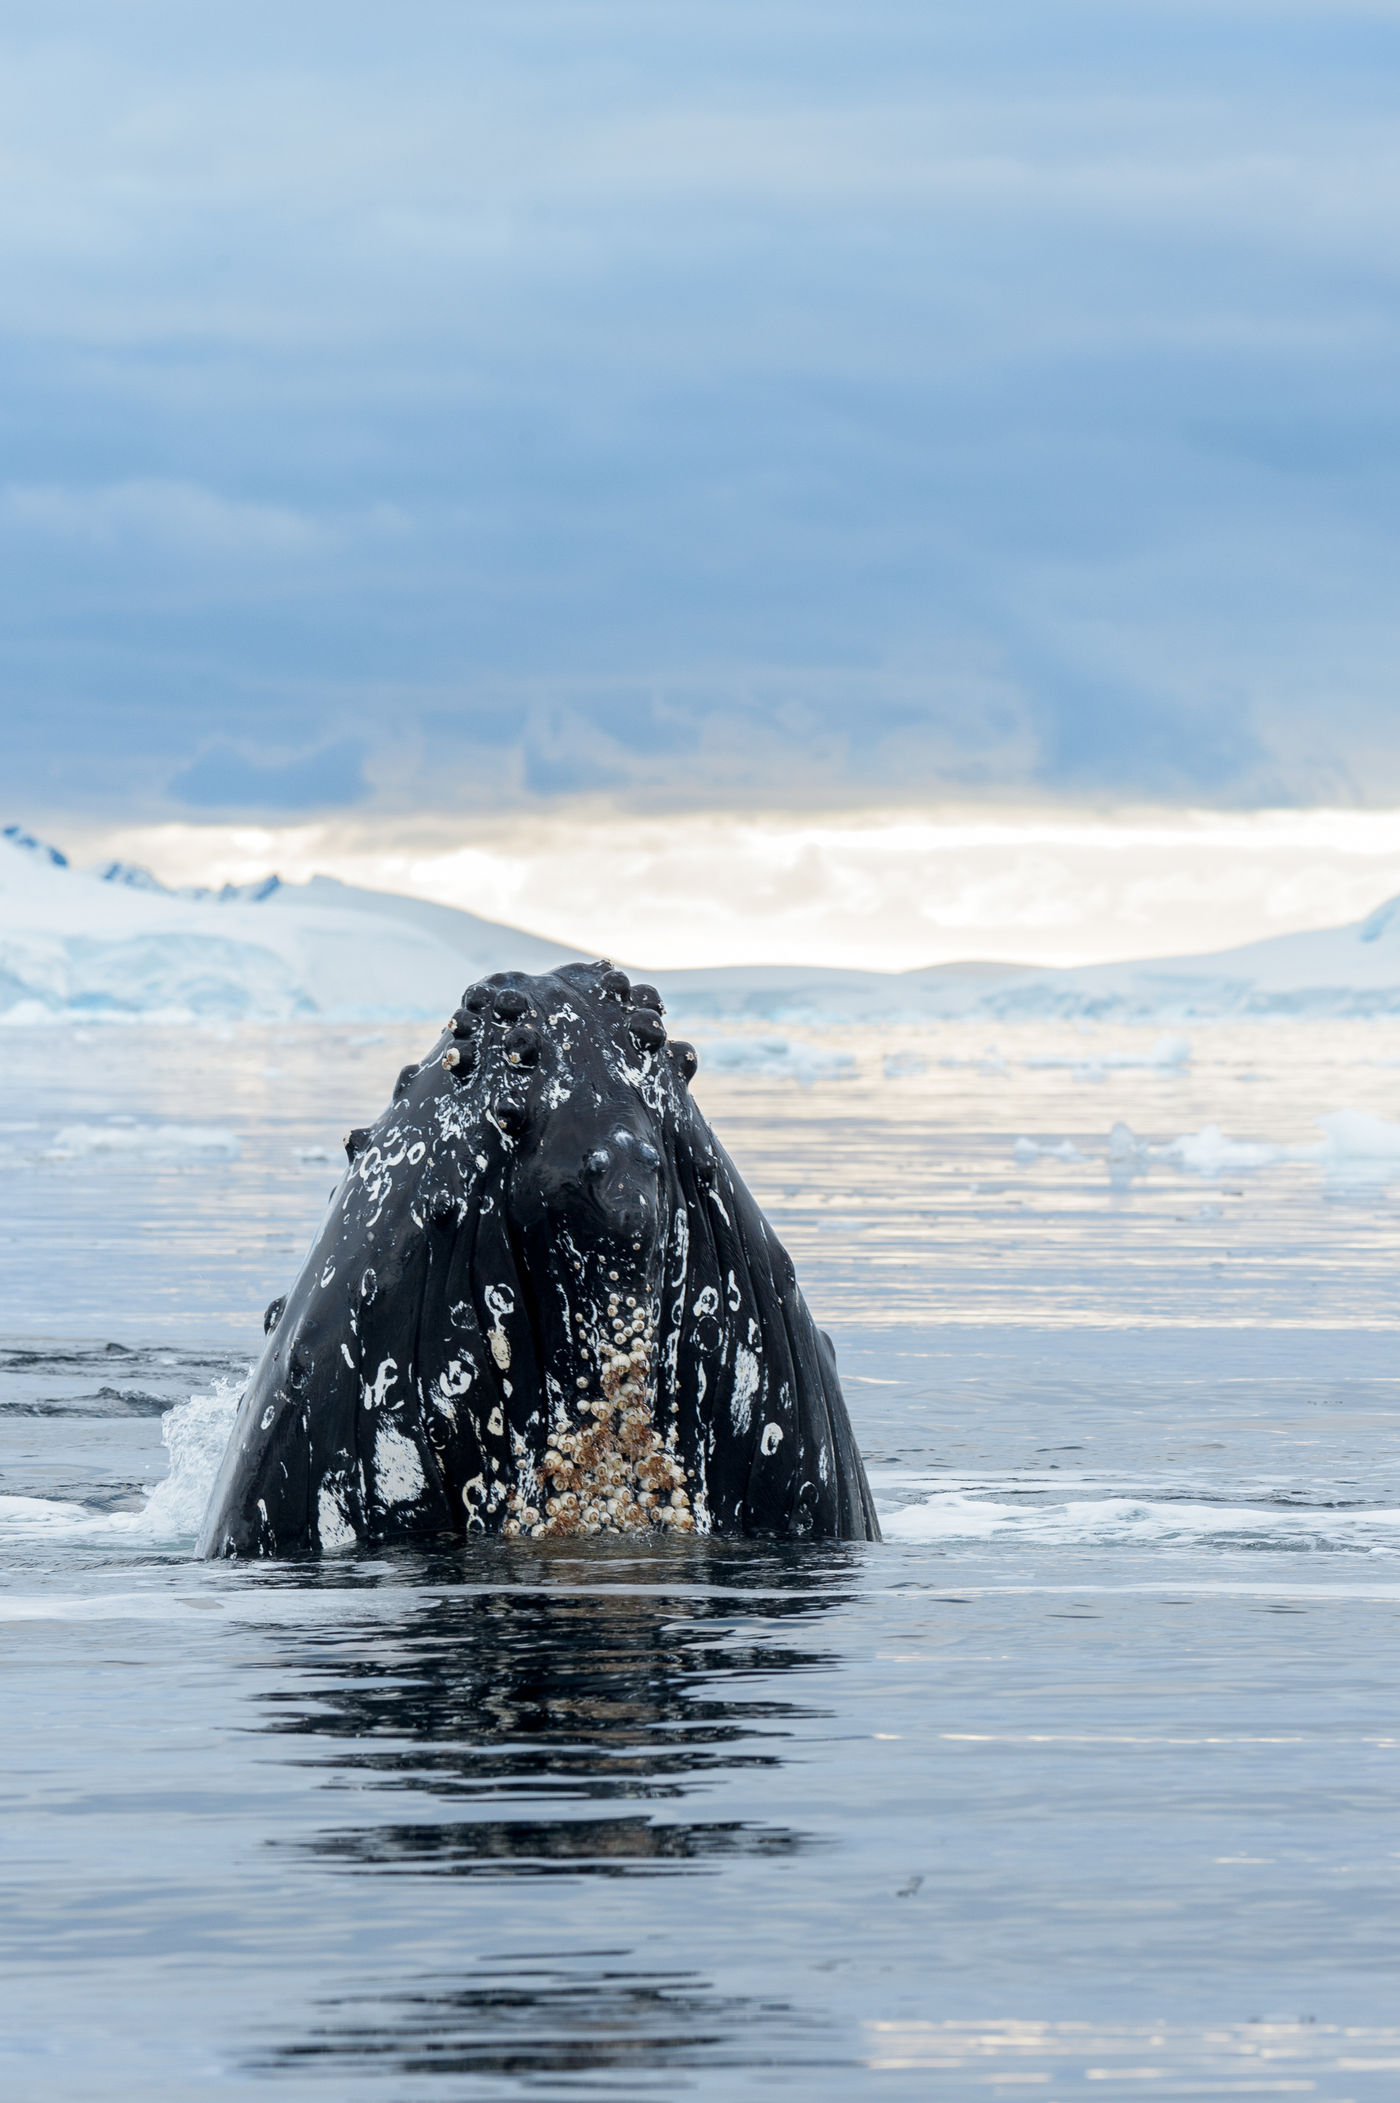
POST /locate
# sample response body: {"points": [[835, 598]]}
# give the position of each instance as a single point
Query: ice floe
{"points": [[778, 1058], [158, 1142]]}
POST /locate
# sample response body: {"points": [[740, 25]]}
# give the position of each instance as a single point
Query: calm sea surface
{"points": [[1086, 1782]]}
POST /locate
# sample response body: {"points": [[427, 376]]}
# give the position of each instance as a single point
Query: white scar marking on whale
{"points": [[267, 1416], [501, 1302], [345, 1351], [327, 1274], [745, 1387], [398, 1470], [718, 1202], [772, 1438], [496, 1423], [454, 1379], [416, 1153], [707, 1302], [384, 1379], [332, 1525], [735, 1296]]}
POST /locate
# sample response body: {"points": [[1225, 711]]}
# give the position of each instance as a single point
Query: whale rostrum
{"points": [[542, 1303]]}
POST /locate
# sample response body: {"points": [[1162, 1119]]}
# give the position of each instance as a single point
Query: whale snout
{"points": [[621, 1178]]}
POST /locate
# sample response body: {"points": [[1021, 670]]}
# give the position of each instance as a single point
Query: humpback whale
{"points": [[542, 1303]]}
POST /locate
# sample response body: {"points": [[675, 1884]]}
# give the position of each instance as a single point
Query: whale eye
{"points": [[522, 1044], [615, 985], [686, 1057], [648, 997], [647, 1029], [511, 1005], [512, 1115]]}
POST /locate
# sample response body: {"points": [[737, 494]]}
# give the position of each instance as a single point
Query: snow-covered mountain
{"points": [[116, 942], [121, 945]]}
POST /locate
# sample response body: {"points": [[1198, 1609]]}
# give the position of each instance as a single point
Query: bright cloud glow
{"points": [[882, 889]]}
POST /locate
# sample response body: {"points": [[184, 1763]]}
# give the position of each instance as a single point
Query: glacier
{"points": [[116, 944]]}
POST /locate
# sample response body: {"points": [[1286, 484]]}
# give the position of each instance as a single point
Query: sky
{"points": [[525, 423]]}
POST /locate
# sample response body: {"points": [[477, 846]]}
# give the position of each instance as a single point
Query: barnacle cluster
{"points": [[607, 1467]]}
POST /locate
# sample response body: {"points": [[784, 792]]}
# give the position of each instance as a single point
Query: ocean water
{"points": [[1084, 1782]]}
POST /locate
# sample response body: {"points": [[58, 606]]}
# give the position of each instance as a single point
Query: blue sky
{"points": [[746, 404]]}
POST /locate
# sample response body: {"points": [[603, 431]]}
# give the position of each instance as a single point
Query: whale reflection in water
{"points": [[587, 1723]]}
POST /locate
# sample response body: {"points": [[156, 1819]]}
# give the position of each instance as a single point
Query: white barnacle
{"points": [[706, 1302]]}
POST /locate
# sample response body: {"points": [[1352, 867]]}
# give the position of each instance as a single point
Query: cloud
{"points": [[165, 517], [709, 403], [224, 779]]}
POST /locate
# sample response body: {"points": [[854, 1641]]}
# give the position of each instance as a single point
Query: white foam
{"points": [[195, 1434], [157, 1142], [954, 1513]]}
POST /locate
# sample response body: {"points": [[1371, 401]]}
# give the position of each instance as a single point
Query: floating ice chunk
{"points": [[1208, 1152], [778, 1057], [1125, 1150], [1357, 1135], [160, 1142], [1027, 1150], [1170, 1054]]}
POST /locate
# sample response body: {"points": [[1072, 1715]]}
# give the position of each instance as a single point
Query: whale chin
{"points": [[542, 1303]]}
